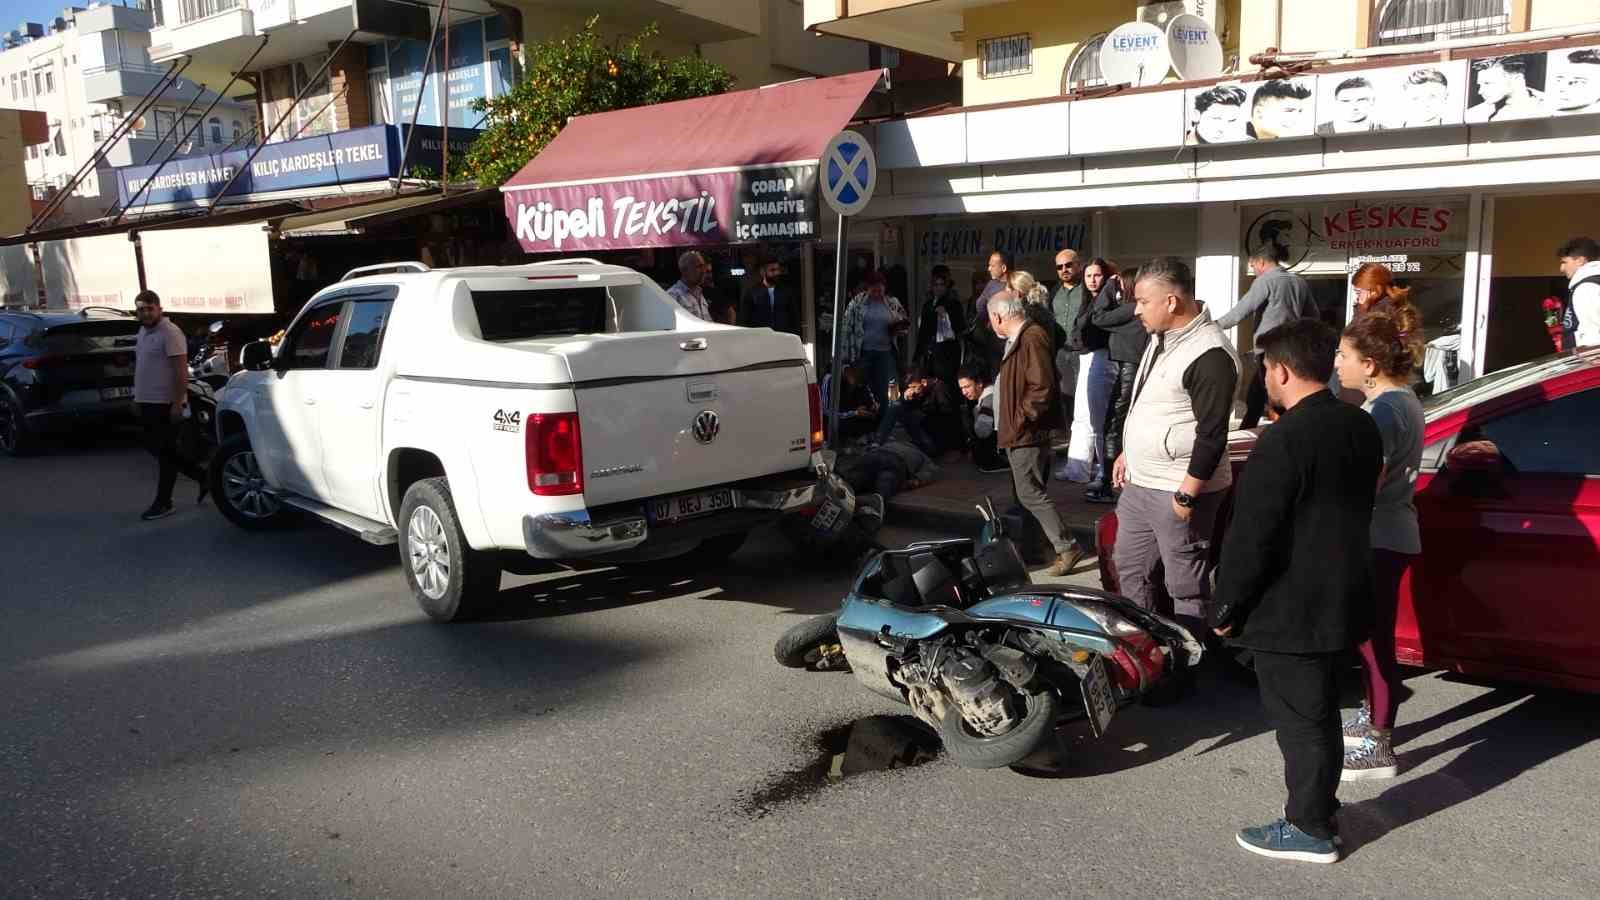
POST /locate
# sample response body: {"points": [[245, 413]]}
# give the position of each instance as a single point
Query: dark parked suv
{"points": [[60, 370]]}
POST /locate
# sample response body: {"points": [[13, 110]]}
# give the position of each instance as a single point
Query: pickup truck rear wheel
{"points": [[451, 581], [238, 489]]}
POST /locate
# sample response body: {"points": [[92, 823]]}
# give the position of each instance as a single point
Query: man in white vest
{"points": [[1174, 465]]}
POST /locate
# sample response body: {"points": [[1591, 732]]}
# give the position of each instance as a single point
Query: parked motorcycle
{"points": [[196, 438], [209, 364], [956, 630]]}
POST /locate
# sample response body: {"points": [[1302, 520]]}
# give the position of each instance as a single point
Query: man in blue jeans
{"points": [[160, 391]]}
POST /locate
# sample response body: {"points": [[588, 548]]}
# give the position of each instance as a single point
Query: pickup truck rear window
{"points": [[539, 313]]}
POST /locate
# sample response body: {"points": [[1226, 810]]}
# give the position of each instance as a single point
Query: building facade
{"points": [[375, 80], [84, 71], [1458, 143]]}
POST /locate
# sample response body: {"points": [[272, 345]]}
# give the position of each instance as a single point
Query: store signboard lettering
{"points": [[1327, 235], [341, 157], [764, 204], [1022, 237]]}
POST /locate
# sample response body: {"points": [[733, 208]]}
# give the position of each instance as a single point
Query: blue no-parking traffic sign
{"points": [[849, 173]]}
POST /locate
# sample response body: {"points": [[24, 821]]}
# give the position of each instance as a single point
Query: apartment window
{"points": [[24, 85], [1083, 69], [38, 82], [1002, 56], [1421, 21], [189, 10], [378, 96], [216, 130], [61, 143], [49, 81], [238, 129]]}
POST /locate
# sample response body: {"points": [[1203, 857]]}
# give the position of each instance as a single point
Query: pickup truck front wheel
{"points": [[451, 581], [240, 491]]}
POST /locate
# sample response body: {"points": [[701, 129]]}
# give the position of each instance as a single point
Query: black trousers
{"points": [[160, 438], [1301, 696], [1255, 398], [1117, 403]]}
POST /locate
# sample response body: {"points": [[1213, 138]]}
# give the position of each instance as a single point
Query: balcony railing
{"points": [[134, 67], [190, 10]]}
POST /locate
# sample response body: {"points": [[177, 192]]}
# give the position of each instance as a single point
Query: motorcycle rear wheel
{"points": [[972, 751], [801, 645]]}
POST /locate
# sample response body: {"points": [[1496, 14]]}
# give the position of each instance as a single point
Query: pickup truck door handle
{"points": [[367, 404], [311, 401], [693, 344]]}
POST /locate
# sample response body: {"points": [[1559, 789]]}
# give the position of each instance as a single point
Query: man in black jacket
{"points": [[1294, 587], [940, 326], [770, 304]]}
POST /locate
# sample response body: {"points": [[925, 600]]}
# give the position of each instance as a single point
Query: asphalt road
{"points": [[191, 710]]}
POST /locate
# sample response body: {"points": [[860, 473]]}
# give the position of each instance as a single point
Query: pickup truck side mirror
{"points": [[256, 356]]}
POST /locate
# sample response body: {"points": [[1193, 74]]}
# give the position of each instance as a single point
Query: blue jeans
{"points": [[880, 367]]}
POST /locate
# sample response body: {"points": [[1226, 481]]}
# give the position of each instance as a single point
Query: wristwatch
{"points": [[1184, 500]]}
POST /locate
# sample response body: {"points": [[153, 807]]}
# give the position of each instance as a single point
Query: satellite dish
{"points": [[1196, 52], [1136, 54]]}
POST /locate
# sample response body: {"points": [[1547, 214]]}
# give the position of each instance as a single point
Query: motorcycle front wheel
{"points": [[805, 644], [972, 751]]}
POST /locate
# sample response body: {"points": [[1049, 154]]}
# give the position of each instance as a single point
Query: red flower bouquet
{"points": [[1552, 320]]}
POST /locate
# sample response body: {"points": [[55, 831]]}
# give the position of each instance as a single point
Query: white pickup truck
{"points": [[484, 417]]}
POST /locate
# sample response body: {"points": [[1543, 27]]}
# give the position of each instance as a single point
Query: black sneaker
{"points": [[1096, 495], [157, 511]]}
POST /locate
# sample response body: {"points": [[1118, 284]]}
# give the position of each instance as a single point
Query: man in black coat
{"points": [[940, 326], [1294, 587], [770, 304]]}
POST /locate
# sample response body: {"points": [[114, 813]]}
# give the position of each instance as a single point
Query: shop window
{"points": [[378, 97], [1083, 70], [1003, 56], [1421, 21], [363, 339], [1553, 438]]}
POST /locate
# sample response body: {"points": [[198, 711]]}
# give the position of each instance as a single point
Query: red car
{"points": [[1509, 503]]}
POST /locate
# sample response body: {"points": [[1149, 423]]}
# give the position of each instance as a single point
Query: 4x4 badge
{"points": [[706, 426]]}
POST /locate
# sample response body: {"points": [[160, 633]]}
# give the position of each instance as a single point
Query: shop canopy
{"points": [[732, 168]]}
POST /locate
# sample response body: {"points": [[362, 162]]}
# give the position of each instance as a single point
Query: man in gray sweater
{"points": [[1276, 297]]}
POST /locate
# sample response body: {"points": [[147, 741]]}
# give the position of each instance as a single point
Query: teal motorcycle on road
{"points": [[957, 630]]}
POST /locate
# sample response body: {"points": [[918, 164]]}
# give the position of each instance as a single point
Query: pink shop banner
{"points": [[775, 203]]}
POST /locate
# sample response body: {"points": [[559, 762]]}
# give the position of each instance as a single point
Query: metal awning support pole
{"points": [[416, 109], [117, 133], [122, 210], [299, 95], [444, 120]]}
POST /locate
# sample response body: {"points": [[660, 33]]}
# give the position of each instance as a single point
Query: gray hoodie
{"points": [[1285, 295]]}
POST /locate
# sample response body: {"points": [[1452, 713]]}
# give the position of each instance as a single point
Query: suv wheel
{"points": [[240, 491], [15, 439], [451, 581]]}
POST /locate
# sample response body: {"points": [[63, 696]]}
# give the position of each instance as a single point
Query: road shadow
{"points": [[591, 588], [1533, 729]]}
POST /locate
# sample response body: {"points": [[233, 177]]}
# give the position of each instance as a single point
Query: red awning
{"points": [[731, 168], [774, 125]]}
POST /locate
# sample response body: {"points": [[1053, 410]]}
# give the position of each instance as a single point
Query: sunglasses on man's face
{"points": [[1060, 266]]}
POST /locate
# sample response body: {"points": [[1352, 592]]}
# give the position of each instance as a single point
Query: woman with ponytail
{"points": [[1376, 291], [1377, 355]]}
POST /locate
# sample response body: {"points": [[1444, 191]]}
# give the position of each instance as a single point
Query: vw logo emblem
{"points": [[706, 426]]}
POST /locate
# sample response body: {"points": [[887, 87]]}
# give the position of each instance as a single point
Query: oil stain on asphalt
{"points": [[872, 744]]}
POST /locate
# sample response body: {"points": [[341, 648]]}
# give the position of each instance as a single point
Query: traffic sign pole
{"points": [[836, 390], [849, 173]]}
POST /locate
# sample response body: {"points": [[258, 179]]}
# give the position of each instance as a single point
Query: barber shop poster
{"points": [[1420, 96], [1237, 112]]}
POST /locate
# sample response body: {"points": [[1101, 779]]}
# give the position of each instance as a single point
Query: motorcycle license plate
{"points": [[827, 514], [687, 506], [1098, 700], [116, 393]]}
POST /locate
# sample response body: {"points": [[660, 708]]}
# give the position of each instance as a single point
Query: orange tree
{"points": [[577, 74]]}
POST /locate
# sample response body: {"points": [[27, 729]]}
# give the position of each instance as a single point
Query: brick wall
{"points": [[347, 80]]}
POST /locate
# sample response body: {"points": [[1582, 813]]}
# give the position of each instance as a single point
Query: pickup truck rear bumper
{"points": [[621, 527]]}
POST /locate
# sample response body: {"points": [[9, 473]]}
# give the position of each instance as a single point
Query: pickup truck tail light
{"points": [[814, 398], [555, 454]]}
